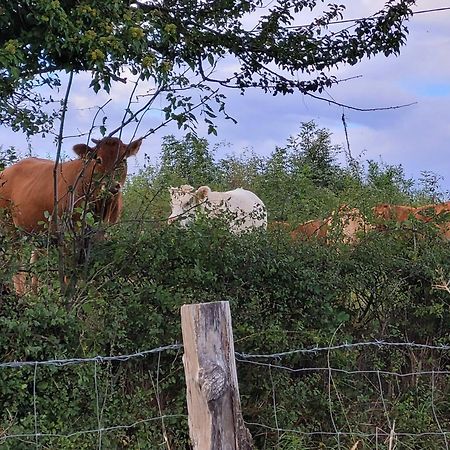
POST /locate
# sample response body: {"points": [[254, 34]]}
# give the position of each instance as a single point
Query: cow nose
{"points": [[115, 188]]}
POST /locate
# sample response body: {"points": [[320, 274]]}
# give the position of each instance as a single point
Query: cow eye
{"points": [[99, 160]]}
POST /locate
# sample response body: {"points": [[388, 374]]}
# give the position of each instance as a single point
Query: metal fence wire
{"points": [[322, 369]]}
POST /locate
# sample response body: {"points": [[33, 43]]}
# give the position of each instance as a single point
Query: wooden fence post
{"points": [[214, 407]]}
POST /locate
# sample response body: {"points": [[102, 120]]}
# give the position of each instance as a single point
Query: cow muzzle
{"points": [[115, 188]]}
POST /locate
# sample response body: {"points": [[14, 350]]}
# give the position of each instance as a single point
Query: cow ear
{"points": [[133, 147], [202, 193], [82, 149], [186, 188]]}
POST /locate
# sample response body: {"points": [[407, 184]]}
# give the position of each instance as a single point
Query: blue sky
{"points": [[418, 137]]}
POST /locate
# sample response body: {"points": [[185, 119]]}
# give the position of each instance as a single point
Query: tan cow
{"points": [[346, 224], [94, 180], [317, 228], [350, 224], [426, 213], [439, 213], [399, 213]]}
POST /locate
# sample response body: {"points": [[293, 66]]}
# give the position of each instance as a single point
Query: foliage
{"points": [[430, 186], [7, 157], [311, 151], [190, 157], [390, 180], [283, 295], [172, 43]]}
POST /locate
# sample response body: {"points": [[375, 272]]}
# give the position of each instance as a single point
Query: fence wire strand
{"points": [[37, 436], [97, 359], [384, 436], [92, 431], [349, 434], [345, 346], [272, 362]]}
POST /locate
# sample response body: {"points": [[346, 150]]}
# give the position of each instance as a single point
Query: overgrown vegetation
{"points": [[283, 294]]}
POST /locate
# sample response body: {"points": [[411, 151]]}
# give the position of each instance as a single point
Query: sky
{"points": [[417, 137]]}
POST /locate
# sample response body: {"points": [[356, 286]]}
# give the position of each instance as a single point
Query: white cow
{"points": [[243, 209]]}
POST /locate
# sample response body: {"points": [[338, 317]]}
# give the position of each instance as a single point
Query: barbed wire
{"points": [[252, 359], [95, 359], [240, 356], [36, 436], [345, 371], [342, 426], [348, 433], [345, 346]]}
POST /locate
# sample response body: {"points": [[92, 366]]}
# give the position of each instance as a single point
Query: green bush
{"points": [[284, 295]]}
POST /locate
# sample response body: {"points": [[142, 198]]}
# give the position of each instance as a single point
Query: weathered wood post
{"points": [[214, 407]]}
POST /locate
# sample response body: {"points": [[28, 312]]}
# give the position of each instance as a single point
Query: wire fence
{"points": [[350, 394], [345, 395], [44, 439]]}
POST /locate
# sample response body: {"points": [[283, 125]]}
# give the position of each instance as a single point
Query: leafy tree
{"points": [[389, 181], [188, 160], [277, 179], [243, 170], [178, 45], [312, 151], [305, 168], [7, 156], [430, 184]]}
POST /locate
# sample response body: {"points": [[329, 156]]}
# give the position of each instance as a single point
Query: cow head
{"points": [[184, 201], [202, 193], [383, 211], [104, 172], [108, 160]]}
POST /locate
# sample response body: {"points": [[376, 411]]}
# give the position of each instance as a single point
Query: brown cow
{"points": [[425, 213], [348, 223], [94, 179], [312, 228], [399, 213], [439, 212]]}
